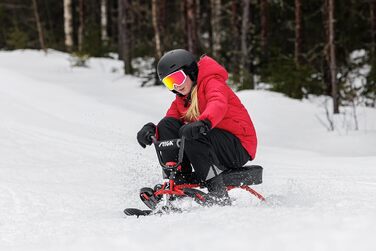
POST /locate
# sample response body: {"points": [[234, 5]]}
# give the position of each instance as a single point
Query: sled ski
{"points": [[136, 212], [163, 210]]}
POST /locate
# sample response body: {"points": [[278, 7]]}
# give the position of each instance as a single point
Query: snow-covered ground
{"points": [[70, 163]]}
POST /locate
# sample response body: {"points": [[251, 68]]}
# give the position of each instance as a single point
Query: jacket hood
{"points": [[208, 67]]}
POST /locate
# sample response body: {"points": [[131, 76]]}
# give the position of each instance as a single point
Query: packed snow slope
{"points": [[70, 163]]}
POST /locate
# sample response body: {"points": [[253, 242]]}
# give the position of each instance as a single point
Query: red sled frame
{"points": [[169, 187]]}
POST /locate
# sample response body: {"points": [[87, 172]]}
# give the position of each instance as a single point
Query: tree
{"points": [[125, 35], [298, 32], [81, 25], [373, 27], [332, 54], [104, 34], [158, 49], [216, 27], [264, 26], [235, 44], [162, 23], [68, 25], [246, 79], [191, 25], [370, 92], [39, 27]]}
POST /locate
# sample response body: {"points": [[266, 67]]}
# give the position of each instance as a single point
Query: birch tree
{"points": [[157, 37], [104, 34], [68, 25]]}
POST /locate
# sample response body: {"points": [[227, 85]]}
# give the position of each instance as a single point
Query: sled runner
{"points": [[159, 198]]}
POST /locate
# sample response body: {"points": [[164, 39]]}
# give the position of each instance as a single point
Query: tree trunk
{"points": [[68, 25], [39, 27], [81, 25], [246, 78], [191, 26], [264, 26], [113, 20], [298, 32], [236, 41], [332, 56], [209, 44], [104, 34], [244, 33], [251, 32], [162, 18], [235, 21], [121, 26], [158, 49], [373, 28], [124, 35], [216, 26], [198, 26]]}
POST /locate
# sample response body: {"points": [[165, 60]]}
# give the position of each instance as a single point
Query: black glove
{"points": [[144, 135], [195, 129]]}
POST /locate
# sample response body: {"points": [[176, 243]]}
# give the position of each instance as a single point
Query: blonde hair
{"points": [[193, 112]]}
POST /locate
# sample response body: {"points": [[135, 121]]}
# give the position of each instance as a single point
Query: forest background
{"points": [[299, 48]]}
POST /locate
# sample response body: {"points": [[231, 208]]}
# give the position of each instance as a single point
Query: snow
{"points": [[69, 165]]}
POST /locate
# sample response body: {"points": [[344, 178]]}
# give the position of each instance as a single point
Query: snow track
{"points": [[69, 165]]}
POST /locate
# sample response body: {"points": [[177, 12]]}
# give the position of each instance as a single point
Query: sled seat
{"points": [[246, 175]]}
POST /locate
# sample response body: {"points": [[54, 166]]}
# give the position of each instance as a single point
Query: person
{"points": [[218, 130]]}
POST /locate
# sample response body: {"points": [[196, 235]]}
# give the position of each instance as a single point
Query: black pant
{"points": [[209, 155]]}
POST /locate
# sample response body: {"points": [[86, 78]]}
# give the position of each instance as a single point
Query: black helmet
{"points": [[175, 60]]}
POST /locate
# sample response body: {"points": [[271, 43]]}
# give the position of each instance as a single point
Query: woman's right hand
{"points": [[144, 135]]}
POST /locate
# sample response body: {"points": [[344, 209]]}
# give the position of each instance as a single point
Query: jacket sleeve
{"points": [[173, 111], [216, 95]]}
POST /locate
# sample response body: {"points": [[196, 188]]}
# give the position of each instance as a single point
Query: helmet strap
{"points": [[177, 93]]}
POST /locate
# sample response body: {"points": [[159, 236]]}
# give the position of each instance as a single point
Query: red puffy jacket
{"points": [[219, 104]]}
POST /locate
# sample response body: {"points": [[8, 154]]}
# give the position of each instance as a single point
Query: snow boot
{"points": [[217, 192], [147, 196]]}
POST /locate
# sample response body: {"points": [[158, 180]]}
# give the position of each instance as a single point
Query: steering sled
{"points": [[159, 199]]}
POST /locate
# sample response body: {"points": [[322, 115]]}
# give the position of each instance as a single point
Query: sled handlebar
{"points": [[171, 144]]}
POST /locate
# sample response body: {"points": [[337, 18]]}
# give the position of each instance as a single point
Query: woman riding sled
{"points": [[218, 130]]}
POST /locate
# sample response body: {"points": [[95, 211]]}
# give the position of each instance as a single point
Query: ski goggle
{"points": [[176, 78]]}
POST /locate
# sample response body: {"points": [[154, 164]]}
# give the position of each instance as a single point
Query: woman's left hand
{"points": [[195, 129]]}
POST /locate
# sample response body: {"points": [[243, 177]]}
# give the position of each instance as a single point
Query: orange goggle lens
{"points": [[176, 78]]}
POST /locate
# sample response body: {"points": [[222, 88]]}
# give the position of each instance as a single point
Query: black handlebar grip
{"points": [[167, 144]]}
